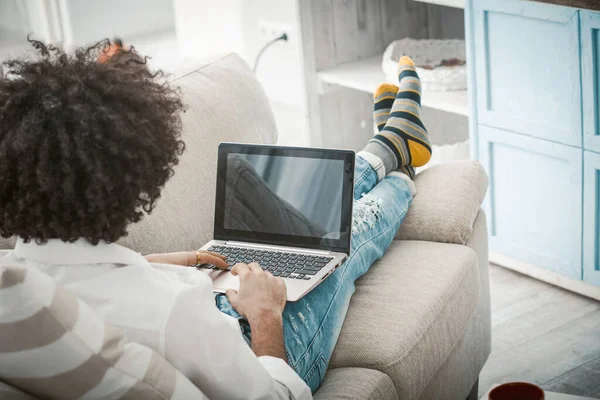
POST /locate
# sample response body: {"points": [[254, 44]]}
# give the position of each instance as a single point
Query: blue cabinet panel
{"points": [[534, 202], [591, 222], [590, 76], [471, 78], [527, 68]]}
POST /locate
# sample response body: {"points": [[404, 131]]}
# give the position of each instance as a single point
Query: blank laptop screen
{"points": [[287, 199], [305, 192]]}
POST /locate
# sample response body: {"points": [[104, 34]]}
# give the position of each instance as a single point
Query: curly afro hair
{"points": [[85, 146]]}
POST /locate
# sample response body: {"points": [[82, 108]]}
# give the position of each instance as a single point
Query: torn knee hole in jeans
{"points": [[367, 211], [295, 329], [303, 319], [294, 324]]}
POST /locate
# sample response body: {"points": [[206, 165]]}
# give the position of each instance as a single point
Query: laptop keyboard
{"points": [[285, 265]]}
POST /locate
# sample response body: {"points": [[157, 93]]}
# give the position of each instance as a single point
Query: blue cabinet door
{"points": [[534, 201], [591, 218], [527, 68], [590, 76]]}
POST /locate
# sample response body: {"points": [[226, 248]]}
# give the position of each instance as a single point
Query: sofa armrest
{"points": [[447, 201], [356, 383]]}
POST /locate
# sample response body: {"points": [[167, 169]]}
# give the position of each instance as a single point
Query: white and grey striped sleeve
{"points": [[52, 345]]}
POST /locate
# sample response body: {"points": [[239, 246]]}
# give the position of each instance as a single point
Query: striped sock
{"points": [[403, 141], [408, 170], [383, 99]]}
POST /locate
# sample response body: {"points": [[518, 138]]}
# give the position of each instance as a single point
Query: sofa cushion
{"points": [[356, 383], [225, 103], [461, 370], [448, 199], [408, 313], [52, 345]]}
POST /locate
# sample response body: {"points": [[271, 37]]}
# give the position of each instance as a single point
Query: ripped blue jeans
{"points": [[312, 324]]}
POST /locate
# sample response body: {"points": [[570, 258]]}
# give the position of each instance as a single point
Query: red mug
{"points": [[517, 391]]}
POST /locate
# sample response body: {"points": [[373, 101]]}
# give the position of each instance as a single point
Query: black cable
{"points": [[283, 37]]}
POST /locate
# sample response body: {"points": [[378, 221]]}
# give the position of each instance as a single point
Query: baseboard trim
{"points": [[580, 287]]}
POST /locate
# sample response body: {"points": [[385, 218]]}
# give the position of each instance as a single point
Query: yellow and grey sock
{"points": [[383, 99], [408, 170], [403, 141]]}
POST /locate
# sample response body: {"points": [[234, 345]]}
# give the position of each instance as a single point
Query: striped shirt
{"points": [[169, 309]]}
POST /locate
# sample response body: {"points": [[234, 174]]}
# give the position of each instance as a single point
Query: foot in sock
{"points": [[403, 141], [383, 99]]}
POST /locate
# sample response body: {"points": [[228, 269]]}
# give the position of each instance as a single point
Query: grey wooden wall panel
{"points": [[308, 44], [335, 32], [323, 31], [357, 27], [343, 128], [446, 22], [356, 110], [331, 123], [444, 127], [403, 18]]}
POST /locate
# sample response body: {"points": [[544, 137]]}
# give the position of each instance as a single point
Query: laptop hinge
{"points": [[276, 248]]}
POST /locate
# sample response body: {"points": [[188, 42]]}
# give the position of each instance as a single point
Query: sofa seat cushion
{"points": [[448, 199], [356, 384], [409, 311]]}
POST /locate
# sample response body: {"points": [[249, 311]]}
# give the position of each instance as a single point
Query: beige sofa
{"points": [[418, 326]]}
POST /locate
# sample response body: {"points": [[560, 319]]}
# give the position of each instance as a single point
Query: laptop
{"points": [[287, 208]]}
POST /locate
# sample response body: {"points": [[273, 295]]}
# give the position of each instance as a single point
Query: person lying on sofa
{"points": [[85, 150]]}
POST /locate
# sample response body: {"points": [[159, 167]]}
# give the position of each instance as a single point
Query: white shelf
{"points": [[449, 3], [365, 75]]}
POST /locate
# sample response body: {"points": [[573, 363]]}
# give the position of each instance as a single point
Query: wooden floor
{"points": [[542, 334]]}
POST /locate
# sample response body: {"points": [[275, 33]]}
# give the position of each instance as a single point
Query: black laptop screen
{"points": [[286, 196]]}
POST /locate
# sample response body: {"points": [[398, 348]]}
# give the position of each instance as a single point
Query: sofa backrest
{"points": [[225, 103]]}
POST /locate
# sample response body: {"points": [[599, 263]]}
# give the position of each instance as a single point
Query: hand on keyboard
{"points": [[260, 292]]}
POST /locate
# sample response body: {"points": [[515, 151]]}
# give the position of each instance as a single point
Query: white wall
{"points": [[206, 27], [16, 22], [281, 67], [93, 20], [18, 18], [11, 21]]}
